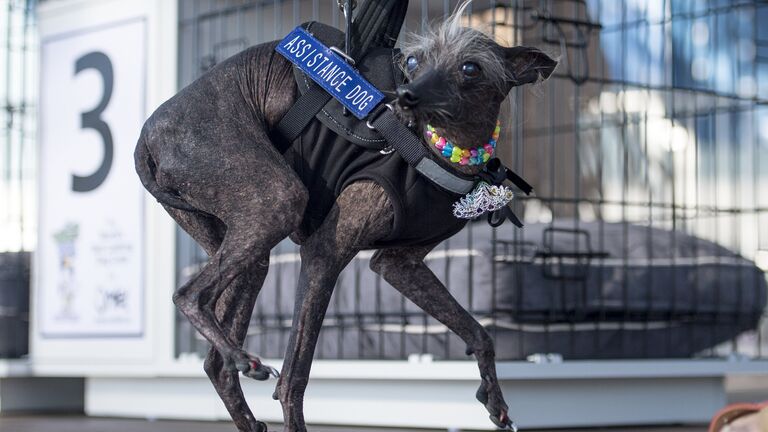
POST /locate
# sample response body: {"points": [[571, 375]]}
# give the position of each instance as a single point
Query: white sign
{"points": [[91, 201]]}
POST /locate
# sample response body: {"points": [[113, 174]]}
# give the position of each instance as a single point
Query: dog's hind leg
{"points": [[233, 312], [362, 215], [247, 241], [208, 231], [245, 183], [404, 269]]}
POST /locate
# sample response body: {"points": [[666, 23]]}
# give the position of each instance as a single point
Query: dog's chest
{"points": [[327, 163]]}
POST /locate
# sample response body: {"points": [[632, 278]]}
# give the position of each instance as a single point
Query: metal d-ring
{"points": [[388, 149], [368, 123], [346, 57]]}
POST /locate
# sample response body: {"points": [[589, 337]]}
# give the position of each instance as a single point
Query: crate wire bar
{"points": [[18, 84], [647, 149]]}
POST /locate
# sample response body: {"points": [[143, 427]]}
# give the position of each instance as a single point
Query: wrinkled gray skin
{"points": [[206, 156]]}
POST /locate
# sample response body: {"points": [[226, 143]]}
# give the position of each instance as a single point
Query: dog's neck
{"points": [[464, 142]]}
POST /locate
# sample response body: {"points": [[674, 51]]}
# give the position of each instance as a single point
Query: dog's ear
{"points": [[527, 65]]}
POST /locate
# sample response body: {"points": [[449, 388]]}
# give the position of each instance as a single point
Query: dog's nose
{"points": [[406, 97]]}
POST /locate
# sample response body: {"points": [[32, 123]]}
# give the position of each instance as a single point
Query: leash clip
{"points": [[342, 5]]}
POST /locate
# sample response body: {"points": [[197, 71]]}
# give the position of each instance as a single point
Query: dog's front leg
{"points": [[404, 269], [362, 214]]}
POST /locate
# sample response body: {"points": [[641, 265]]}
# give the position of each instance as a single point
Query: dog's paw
{"points": [[489, 394], [503, 422]]}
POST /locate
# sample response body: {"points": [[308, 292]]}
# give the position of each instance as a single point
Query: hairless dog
{"points": [[207, 156]]}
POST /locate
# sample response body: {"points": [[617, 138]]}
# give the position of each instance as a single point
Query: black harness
{"points": [[371, 40]]}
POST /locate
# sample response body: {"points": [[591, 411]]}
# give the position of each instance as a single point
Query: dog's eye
{"points": [[411, 63], [470, 70]]}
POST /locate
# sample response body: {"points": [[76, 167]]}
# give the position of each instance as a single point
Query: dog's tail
{"points": [[146, 169]]}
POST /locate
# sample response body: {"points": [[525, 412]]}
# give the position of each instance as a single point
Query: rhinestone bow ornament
{"points": [[484, 198]]}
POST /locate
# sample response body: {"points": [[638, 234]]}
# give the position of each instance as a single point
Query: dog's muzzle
{"points": [[424, 89], [406, 97]]}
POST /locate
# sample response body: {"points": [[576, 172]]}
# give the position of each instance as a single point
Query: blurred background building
{"points": [[637, 283]]}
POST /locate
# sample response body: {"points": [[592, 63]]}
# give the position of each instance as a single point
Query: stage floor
{"points": [[89, 424], [740, 389]]}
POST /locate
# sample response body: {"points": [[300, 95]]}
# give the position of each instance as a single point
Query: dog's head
{"points": [[457, 78]]}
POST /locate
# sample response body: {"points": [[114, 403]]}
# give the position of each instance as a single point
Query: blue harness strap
{"points": [[331, 71]]}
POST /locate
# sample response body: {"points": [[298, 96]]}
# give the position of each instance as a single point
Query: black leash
{"points": [[347, 8]]}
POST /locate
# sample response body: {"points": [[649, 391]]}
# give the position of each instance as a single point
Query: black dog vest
{"points": [[336, 150], [326, 163]]}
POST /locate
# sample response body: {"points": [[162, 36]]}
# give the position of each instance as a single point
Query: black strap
{"points": [[408, 145], [377, 23], [519, 182], [411, 149], [300, 114], [496, 173], [496, 218]]}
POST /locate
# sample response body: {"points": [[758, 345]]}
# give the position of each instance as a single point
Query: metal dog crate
{"points": [[14, 304], [17, 160], [647, 148]]}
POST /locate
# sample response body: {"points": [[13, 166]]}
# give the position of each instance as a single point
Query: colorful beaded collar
{"points": [[477, 155]]}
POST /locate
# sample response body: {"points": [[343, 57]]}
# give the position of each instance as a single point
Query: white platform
{"points": [[21, 391], [431, 394]]}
